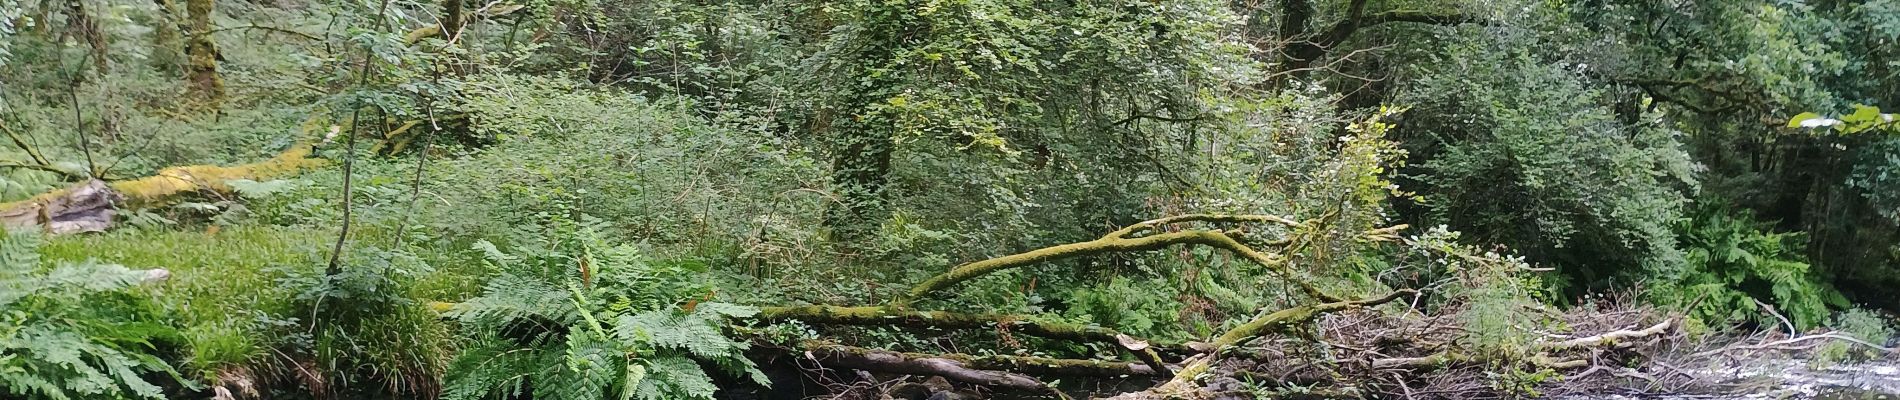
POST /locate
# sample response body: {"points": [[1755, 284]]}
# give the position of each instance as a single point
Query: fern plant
{"points": [[71, 332], [574, 318], [1734, 262]]}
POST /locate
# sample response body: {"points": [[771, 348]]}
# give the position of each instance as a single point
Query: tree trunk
{"points": [[452, 19], [1299, 50], [167, 41], [202, 70]]}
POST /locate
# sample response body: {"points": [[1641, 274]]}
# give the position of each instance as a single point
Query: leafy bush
{"points": [[73, 332], [571, 317], [655, 171], [1522, 151]]}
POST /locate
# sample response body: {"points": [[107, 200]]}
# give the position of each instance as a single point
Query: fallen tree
{"points": [[1143, 236], [1325, 346], [90, 206], [1429, 354]]}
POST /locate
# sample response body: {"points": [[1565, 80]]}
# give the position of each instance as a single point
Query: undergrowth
{"points": [[572, 316], [77, 330]]}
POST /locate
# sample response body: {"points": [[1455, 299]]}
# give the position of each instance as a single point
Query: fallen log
{"points": [[86, 207], [90, 206]]}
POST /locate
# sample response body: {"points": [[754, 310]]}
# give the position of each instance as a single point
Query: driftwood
{"points": [[90, 206]]}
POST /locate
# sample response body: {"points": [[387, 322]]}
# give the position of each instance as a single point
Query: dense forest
{"points": [[944, 199]]}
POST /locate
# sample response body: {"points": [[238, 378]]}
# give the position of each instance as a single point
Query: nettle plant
{"points": [[572, 317], [71, 332]]}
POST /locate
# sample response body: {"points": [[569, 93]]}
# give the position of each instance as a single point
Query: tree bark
{"points": [[202, 68]]}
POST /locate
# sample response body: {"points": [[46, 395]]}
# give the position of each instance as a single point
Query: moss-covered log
{"points": [[89, 206], [881, 316]]}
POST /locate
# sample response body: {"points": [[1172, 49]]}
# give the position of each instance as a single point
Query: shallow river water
{"points": [[1789, 379]]}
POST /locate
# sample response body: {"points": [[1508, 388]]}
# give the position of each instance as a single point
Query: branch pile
{"points": [[1019, 373], [1330, 347]]}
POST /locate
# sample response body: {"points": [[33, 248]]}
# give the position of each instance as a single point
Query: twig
{"points": [[265, 28], [1771, 311]]}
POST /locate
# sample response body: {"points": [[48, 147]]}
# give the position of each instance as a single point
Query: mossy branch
{"points": [[1021, 324], [1000, 371], [1281, 321], [1028, 325], [1126, 240]]}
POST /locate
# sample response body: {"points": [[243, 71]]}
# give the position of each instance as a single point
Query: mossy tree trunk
{"points": [[453, 18], [202, 67]]}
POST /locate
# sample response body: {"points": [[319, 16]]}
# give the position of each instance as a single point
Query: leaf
{"points": [[636, 373], [1862, 114], [1810, 120]]}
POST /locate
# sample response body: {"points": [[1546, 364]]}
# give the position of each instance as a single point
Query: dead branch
{"points": [[1184, 382], [991, 371], [1790, 344], [1610, 337], [1023, 324]]}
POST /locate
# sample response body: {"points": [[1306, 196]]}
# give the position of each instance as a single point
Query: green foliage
{"points": [[1496, 295], [75, 331], [1129, 305], [573, 317], [1865, 118], [1525, 153], [362, 327], [651, 170], [1866, 325], [221, 283], [1735, 262]]}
